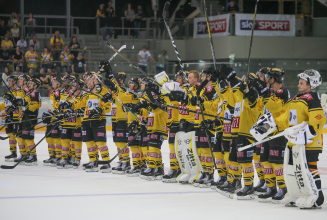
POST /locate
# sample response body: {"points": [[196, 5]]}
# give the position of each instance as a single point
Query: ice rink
{"points": [[42, 192]]}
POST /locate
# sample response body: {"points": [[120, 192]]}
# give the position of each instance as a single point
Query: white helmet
{"points": [[312, 76]]}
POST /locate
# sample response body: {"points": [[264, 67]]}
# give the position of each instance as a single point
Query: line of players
{"points": [[224, 95]]}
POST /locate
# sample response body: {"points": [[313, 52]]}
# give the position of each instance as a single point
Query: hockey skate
{"points": [[260, 184], [92, 167], [114, 170], [207, 181], [148, 173], [158, 173], [54, 162], [200, 179], [105, 168], [267, 197], [261, 190], [220, 181], [11, 157], [231, 188], [76, 164], [85, 165], [65, 164], [48, 161], [19, 158], [31, 161], [171, 176], [135, 171], [276, 199], [126, 166], [247, 193]]}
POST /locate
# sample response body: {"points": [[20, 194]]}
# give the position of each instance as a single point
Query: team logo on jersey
{"points": [[64, 131], [89, 104], [280, 91], [318, 117], [83, 132], [77, 135]]}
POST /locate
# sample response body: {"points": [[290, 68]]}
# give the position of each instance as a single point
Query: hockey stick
{"points": [[130, 47], [122, 150], [296, 129], [28, 152], [210, 37], [4, 138]]}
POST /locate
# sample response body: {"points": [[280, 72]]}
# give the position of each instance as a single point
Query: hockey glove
{"points": [[46, 117], [206, 124], [227, 72], [11, 109], [179, 96], [80, 113], [95, 112], [8, 97], [138, 106], [194, 100], [263, 127], [64, 105], [133, 127], [19, 102], [107, 97], [261, 87], [59, 118], [222, 85], [69, 113], [302, 136]]}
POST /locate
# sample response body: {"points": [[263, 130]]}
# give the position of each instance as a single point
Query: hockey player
{"points": [[10, 111], [276, 101], [30, 104]]}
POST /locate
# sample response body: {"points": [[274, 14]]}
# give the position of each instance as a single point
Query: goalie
{"points": [[304, 142]]}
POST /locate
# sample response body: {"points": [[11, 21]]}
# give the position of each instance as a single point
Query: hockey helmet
{"points": [[68, 78], [276, 73], [312, 76], [121, 76], [25, 77], [13, 77], [135, 80], [79, 82], [263, 71], [36, 82]]}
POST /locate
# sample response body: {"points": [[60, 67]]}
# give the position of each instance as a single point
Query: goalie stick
{"points": [[296, 128]]}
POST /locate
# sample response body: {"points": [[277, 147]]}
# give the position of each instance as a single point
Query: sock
{"points": [[270, 177], [58, 147], [145, 152], [248, 173], [155, 159], [30, 144], [124, 156], [235, 171], [104, 151], [78, 149], [12, 142], [279, 173], [71, 149], [258, 166], [65, 143], [22, 146], [136, 155], [91, 150], [314, 168], [172, 157], [202, 159], [51, 147], [226, 158], [208, 160], [220, 163]]}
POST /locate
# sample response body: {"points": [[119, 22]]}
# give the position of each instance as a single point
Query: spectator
{"points": [[7, 42], [130, 15], [35, 42], [46, 58], [30, 24], [66, 58], [138, 19], [14, 19], [31, 58], [18, 71], [79, 66], [46, 78], [38, 75], [232, 7], [74, 46], [110, 15], [5, 74], [22, 44], [31, 73], [179, 19], [3, 29], [5, 57], [18, 58], [162, 60], [102, 19], [143, 56], [56, 44], [15, 33], [155, 19]]}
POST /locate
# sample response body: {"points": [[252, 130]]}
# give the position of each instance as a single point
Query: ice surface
{"points": [[42, 192]]}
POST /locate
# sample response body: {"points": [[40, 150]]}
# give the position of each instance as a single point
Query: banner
{"points": [[265, 25], [219, 26]]}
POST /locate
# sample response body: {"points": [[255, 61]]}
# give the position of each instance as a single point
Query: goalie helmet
{"points": [[312, 76], [277, 74]]}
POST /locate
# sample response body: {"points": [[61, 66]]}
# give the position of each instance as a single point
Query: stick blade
{"points": [[166, 7], [5, 167], [130, 47], [3, 138]]}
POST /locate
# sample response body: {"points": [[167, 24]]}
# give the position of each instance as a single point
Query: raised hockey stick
{"points": [[295, 128], [210, 37], [122, 150], [130, 47], [27, 154]]}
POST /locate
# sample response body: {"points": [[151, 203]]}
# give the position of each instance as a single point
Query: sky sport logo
{"points": [[216, 26], [265, 25]]}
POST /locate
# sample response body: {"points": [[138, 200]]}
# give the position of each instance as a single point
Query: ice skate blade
{"points": [[290, 205], [227, 194], [183, 182], [258, 193], [213, 187], [196, 184], [21, 164], [76, 167], [303, 208], [46, 164], [158, 177], [204, 186], [60, 167], [121, 172], [149, 178], [274, 201], [53, 165], [114, 171], [133, 175], [91, 170], [247, 197], [31, 164], [68, 166], [11, 159], [268, 200], [106, 171], [172, 180]]}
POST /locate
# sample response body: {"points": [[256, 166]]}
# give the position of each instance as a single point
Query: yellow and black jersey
{"points": [[75, 121], [157, 121], [135, 100], [34, 102], [63, 96], [20, 94], [173, 113], [227, 111], [215, 107], [305, 107], [54, 101], [189, 116]]}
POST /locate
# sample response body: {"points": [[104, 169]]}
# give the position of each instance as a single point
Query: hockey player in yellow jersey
{"points": [[30, 104], [10, 110], [276, 101], [94, 125]]}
